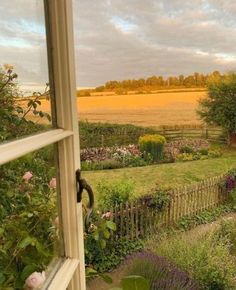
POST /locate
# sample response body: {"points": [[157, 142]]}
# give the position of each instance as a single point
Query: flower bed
{"points": [[131, 155]]}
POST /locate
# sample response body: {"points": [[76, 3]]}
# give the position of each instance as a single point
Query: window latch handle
{"points": [[81, 186]]}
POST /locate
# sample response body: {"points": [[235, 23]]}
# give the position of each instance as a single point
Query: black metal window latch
{"points": [[81, 186]]}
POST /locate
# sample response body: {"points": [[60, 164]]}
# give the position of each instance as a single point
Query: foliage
{"points": [[28, 238], [219, 106], [206, 216], [104, 260], [13, 116], [133, 283], [186, 149], [159, 82], [159, 272], [229, 183], [97, 236], [113, 193], [158, 199], [227, 230], [108, 135], [200, 155], [205, 258], [152, 144]]}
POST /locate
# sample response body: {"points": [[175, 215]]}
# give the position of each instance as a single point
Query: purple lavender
{"points": [[160, 273]]}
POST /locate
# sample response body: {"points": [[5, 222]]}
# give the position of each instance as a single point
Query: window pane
{"points": [[30, 236], [24, 93]]}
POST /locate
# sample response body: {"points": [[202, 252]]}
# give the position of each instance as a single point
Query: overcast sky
{"points": [[117, 39]]}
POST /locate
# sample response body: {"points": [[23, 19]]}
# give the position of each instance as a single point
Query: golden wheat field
{"points": [[168, 108]]}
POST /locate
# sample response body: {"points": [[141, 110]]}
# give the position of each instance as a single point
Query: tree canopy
{"points": [[219, 107]]}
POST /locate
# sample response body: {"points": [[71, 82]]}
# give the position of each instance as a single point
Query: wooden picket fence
{"points": [[136, 219], [212, 134]]}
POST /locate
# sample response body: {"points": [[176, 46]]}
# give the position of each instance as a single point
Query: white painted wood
{"points": [[18, 148], [63, 277], [62, 70]]}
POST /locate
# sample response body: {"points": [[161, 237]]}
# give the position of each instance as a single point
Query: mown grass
{"points": [[165, 175]]}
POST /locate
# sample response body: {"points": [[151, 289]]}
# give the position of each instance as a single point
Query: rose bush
{"points": [[28, 229]]}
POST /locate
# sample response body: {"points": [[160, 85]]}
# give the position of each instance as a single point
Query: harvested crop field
{"points": [[146, 109], [169, 108]]}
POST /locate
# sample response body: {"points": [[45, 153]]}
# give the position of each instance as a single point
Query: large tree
{"points": [[219, 107]]}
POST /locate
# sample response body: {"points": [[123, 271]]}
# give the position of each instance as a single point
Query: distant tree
{"points": [[218, 107]]}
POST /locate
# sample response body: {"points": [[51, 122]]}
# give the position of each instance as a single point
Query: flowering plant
{"points": [[28, 230]]}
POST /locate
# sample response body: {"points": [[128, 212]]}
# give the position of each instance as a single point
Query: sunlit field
{"points": [[145, 109], [170, 108]]}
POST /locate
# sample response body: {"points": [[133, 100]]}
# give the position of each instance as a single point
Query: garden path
{"points": [[117, 274]]}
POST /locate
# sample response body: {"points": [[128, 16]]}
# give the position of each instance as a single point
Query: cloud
{"points": [[116, 39]]}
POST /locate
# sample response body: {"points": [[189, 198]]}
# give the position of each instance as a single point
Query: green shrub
{"points": [[186, 149], [184, 157], [28, 238], [158, 199], [204, 217], [153, 144], [232, 198], [118, 250], [214, 153], [206, 259], [113, 193], [203, 151]]}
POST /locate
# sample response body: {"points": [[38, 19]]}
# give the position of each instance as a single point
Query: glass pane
{"points": [[30, 236], [24, 92]]}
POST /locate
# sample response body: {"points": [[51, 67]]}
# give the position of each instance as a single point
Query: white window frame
{"points": [[70, 274]]}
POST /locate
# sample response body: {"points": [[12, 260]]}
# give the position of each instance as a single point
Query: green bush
{"points": [[118, 250], [204, 217], [214, 153], [113, 193], [205, 258], [186, 149], [152, 144], [28, 238], [158, 199]]}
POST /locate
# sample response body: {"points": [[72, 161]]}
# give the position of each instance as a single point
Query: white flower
{"points": [[35, 280]]}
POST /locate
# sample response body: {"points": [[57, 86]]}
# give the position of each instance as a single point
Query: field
{"points": [[156, 109], [165, 175], [145, 109]]}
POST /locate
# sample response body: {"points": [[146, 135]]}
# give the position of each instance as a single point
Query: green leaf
{"points": [[24, 243], [106, 278], [111, 225], [103, 243], [135, 283], [1, 231], [115, 289], [2, 278], [29, 269]]}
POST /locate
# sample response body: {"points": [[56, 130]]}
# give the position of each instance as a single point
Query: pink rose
{"points": [[53, 183], [107, 215], [56, 222], [27, 176], [35, 280]]}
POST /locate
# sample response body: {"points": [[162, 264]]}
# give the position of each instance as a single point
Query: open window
{"points": [[66, 268]]}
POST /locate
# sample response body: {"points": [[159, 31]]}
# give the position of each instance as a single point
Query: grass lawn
{"points": [[166, 175]]}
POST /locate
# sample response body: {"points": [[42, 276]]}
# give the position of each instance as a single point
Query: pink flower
{"points": [[56, 222], [53, 183], [107, 215], [27, 176], [35, 280]]}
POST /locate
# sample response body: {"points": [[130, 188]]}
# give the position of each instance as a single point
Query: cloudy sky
{"points": [[117, 39]]}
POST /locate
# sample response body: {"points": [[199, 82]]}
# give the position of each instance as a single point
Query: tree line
{"points": [[158, 82]]}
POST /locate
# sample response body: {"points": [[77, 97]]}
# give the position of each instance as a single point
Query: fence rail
{"points": [[135, 219], [125, 137]]}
